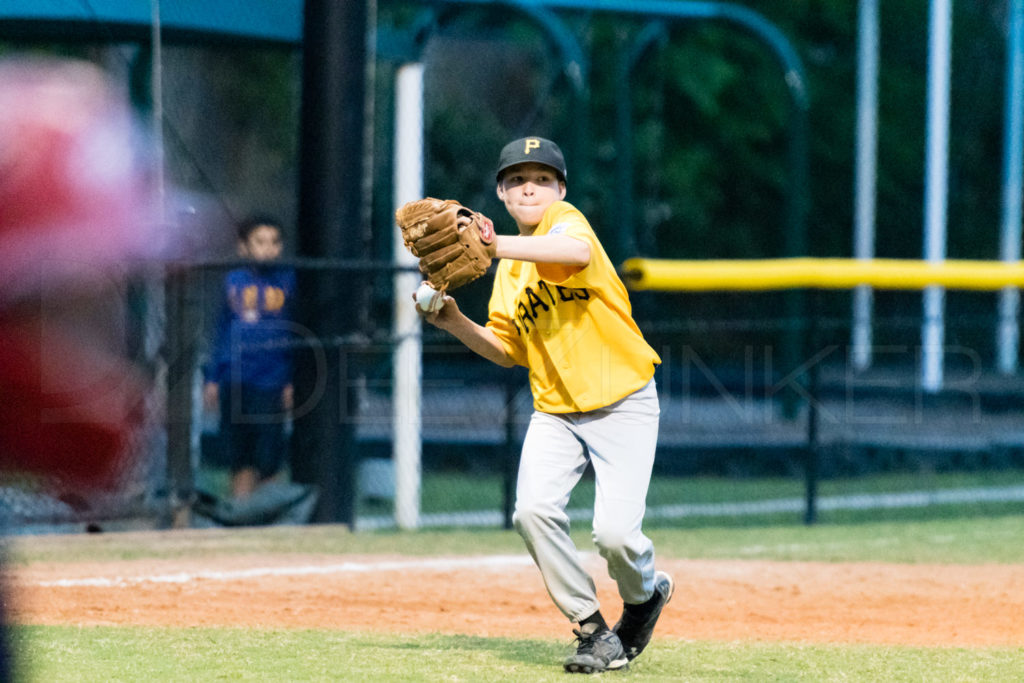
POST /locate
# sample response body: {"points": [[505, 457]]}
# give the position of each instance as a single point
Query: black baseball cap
{"points": [[537, 150]]}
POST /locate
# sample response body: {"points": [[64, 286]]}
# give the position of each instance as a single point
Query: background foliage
{"points": [[709, 132], [710, 113], [709, 110]]}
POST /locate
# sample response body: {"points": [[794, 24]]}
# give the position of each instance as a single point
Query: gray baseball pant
{"points": [[620, 441]]}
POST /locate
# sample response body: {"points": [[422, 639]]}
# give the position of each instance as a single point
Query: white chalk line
{"points": [[490, 562]]}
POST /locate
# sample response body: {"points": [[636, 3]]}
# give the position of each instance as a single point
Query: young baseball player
{"points": [[248, 376], [559, 309]]}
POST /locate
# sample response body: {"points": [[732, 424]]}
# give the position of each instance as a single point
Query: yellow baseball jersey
{"points": [[572, 327]]}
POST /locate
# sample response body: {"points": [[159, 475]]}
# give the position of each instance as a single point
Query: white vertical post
{"points": [[865, 180], [936, 181], [1007, 334], [406, 362]]}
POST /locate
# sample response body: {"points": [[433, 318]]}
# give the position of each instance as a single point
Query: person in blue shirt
{"points": [[249, 374]]}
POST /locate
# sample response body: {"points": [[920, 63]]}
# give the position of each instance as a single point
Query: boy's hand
{"points": [[211, 396], [442, 317]]}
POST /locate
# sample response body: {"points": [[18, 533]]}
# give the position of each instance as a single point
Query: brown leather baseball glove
{"points": [[455, 244]]}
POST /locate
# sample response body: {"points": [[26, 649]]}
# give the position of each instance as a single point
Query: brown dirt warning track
{"points": [[923, 605]]}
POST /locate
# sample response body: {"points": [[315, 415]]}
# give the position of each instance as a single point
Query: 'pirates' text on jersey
{"points": [[572, 327]]}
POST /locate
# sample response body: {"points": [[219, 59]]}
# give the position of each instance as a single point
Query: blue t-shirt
{"points": [[254, 334]]}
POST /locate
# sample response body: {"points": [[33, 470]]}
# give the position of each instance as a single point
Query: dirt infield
{"points": [[965, 606]]}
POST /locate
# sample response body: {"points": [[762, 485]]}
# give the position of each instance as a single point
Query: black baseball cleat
{"points": [[635, 629], [599, 650]]}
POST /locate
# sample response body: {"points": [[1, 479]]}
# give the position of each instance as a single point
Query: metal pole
{"points": [[330, 225], [812, 453], [866, 177], [1007, 334], [166, 320], [936, 179], [157, 86], [406, 363], [511, 450]]}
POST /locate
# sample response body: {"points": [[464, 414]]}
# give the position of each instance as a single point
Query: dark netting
{"points": [[133, 497]]}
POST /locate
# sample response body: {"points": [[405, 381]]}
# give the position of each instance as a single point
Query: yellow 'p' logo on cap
{"points": [[531, 143]]}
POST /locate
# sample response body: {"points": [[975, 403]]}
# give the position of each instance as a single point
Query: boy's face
{"points": [[262, 244], [528, 190]]}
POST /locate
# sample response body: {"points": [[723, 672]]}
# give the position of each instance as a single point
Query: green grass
{"points": [[102, 654], [964, 540], [454, 491], [706, 489], [460, 491]]}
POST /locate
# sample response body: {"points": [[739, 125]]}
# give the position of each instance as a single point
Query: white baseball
{"points": [[429, 299]]}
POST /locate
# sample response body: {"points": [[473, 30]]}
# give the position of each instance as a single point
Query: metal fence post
{"points": [[812, 452], [180, 357], [510, 461]]}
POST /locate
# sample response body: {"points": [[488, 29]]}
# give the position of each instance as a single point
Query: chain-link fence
{"points": [[745, 437]]}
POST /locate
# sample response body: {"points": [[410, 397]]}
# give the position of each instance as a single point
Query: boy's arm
{"points": [[477, 338], [560, 249]]}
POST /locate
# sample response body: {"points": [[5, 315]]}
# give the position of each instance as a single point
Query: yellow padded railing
{"points": [[669, 275]]}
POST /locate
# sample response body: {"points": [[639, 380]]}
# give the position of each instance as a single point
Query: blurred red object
{"points": [[75, 212], [74, 195], [69, 411]]}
